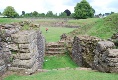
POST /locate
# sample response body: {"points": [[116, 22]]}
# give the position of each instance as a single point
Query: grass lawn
{"points": [[66, 75], [8, 20], [54, 33], [59, 61]]}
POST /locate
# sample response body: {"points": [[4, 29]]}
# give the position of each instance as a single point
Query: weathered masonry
{"points": [[28, 50], [21, 50], [95, 53]]}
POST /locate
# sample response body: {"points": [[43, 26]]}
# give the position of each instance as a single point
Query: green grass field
{"points": [[66, 75], [53, 34], [59, 61], [8, 20]]}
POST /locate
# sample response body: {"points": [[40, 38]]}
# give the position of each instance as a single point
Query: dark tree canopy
{"points": [[83, 10], [23, 12], [67, 12], [9, 11]]}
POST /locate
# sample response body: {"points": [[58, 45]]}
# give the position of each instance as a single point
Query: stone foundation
{"points": [[82, 52], [20, 50], [93, 52], [106, 58], [28, 50]]}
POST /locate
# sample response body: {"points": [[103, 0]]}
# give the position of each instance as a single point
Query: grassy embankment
{"points": [[102, 28]]}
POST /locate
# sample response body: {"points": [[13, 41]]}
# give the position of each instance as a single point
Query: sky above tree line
{"points": [[57, 6]]}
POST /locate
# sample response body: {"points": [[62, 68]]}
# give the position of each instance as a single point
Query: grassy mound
{"points": [[102, 28]]}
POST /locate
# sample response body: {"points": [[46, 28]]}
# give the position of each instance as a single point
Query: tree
{"points": [[83, 10], [112, 12], [67, 12], [10, 12], [27, 15], [42, 15], [62, 14], [35, 14], [23, 12], [72, 15], [49, 14]]}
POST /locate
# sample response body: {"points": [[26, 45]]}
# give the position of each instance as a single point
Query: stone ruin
{"points": [[4, 57], [24, 50], [106, 57], [82, 52], [20, 50], [63, 36], [5, 33], [95, 53], [28, 49], [114, 38]]}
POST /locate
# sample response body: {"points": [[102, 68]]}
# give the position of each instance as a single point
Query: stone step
{"points": [[56, 49], [55, 45], [67, 68], [61, 42], [55, 52]]}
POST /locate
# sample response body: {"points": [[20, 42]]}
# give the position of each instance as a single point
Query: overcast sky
{"points": [[57, 6]]}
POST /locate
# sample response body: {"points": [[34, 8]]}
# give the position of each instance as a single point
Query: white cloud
{"points": [[102, 6], [57, 6], [41, 6]]}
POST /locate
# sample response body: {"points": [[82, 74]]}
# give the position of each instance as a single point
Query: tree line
{"points": [[82, 10]]}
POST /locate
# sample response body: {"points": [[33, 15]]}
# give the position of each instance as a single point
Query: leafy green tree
{"points": [[35, 13], [27, 15], [72, 15], [62, 14], [42, 15], [49, 14], [83, 10], [10, 12]]}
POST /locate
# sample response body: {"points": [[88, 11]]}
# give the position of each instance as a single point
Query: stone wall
{"points": [[5, 32], [82, 51], [106, 58], [4, 57], [20, 50], [28, 48], [114, 38], [95, 53]]}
